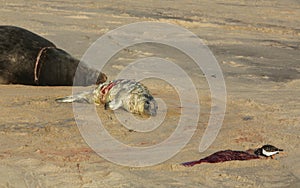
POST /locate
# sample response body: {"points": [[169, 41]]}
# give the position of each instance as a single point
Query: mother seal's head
{"points": [[27, 58]]}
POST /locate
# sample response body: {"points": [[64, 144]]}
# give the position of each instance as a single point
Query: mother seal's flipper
{"points": [[27, 58]]}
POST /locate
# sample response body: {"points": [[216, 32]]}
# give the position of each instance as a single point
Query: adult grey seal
{"points": [[27, 58], [128, 94]]}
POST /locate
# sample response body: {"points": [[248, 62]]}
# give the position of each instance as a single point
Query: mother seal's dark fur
{"points": [[27, 58]]}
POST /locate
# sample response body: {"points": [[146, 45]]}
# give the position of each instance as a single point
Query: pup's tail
{"points": [[85, 97]]}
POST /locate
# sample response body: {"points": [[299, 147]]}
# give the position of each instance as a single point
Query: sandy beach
{"points": [[257, 45]]}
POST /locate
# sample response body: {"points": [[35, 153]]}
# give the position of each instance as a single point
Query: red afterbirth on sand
{"points": [[223, 156]]}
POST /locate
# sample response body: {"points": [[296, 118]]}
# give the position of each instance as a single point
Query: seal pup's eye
{"points": [[147, 104], [147, 108]]}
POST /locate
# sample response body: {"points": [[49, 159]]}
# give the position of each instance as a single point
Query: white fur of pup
{"points": [[128, 94]]}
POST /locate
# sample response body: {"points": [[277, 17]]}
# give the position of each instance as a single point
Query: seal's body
{"points": [[27, 58], [128, 94]]}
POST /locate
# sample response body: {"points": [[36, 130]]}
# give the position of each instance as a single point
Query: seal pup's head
{"points": [[150, 105], [141, 102]]}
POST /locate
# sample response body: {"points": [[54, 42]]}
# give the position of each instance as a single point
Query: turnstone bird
{"points": [[267, 151], [128, 94]]}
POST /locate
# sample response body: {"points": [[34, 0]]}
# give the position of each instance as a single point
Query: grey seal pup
{"points": [[133, 96]]}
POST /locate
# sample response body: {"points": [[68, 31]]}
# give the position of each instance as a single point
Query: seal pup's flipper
{"points": [[85, 97], [113, 105]]}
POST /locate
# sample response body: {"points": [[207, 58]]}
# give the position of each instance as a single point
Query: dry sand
{"points": [[257, 46]]}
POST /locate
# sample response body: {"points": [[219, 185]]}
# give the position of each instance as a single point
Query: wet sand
{"points": [[257, 46]]}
